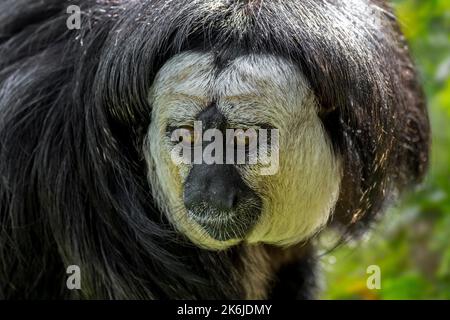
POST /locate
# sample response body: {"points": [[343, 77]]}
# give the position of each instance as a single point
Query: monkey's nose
{"points": [[216, 186], [219, 201], [210, 187], [215, 194]]}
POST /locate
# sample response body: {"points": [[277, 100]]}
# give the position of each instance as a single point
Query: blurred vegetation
{"points": [[412, 244]]}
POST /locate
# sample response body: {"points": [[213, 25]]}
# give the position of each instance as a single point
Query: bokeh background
{"points": [[412, 244]]}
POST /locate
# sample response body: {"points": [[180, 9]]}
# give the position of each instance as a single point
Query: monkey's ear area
{"points": [[368, 189], [394, 160]]}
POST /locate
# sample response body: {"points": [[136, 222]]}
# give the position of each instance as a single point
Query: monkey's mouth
{"points": [[225, 225]]}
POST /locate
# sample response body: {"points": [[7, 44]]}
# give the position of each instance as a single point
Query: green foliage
{"points": [[411, 245]]}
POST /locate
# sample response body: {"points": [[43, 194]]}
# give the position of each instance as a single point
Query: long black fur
{"points": [[74, 111]]}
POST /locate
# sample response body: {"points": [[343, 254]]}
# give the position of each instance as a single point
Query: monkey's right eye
{"points": [[189, 136]]}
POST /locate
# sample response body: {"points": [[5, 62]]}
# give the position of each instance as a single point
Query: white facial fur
{"points": [[298, 200]]}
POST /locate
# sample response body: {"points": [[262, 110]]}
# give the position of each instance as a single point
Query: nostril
{"points": [[224, 201], [232, 200], [214, 197]]}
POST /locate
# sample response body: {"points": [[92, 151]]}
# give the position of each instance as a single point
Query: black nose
{"points": [[220, 202], [217, 186]]}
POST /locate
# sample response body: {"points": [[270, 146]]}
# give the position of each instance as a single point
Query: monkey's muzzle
{"points": [[218, 200]]}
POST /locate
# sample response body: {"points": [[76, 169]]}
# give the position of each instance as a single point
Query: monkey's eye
{"points": [[243, 139], [189, 135]]}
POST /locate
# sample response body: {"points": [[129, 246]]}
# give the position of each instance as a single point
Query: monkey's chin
{"points": [[210, 236], [231, 227], [205, 241], [222, 232], [218, 240]]}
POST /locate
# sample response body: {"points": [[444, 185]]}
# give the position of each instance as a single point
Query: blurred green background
{"points": [[412, 244]]}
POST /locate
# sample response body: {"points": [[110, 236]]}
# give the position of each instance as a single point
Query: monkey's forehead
{"points": [[194, 73], [251, 89]]}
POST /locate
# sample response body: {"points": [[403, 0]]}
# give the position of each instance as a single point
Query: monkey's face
{"points": [[281, 200]]}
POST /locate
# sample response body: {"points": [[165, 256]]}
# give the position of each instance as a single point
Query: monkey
{"points": [[88, 118]]}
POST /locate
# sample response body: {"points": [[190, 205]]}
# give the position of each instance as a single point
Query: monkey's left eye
{"points": [[244, 139]]}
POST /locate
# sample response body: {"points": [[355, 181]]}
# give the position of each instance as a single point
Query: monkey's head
{"points": [[351, 128]]}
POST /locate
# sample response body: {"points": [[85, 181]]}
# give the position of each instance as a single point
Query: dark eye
{"points": [[243, 139], [189, 135]]}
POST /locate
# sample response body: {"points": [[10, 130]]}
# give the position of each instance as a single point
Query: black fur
{"points": [[74, 110]]}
